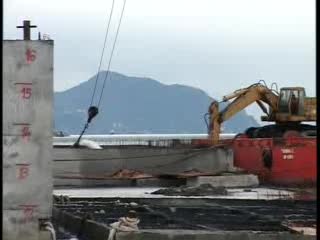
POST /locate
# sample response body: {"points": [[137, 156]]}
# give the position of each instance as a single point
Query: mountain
{"points": [[138, 105]]}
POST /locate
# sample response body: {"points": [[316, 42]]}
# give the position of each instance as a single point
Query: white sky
{"points": [[216, 45]]}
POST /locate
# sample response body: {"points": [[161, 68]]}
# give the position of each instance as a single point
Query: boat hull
{"points": [[291, 161]]}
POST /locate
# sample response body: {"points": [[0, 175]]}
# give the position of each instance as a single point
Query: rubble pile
{"points": [[202, 190]]}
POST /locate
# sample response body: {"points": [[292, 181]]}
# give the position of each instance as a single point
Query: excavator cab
{"points": [[291, 101]]}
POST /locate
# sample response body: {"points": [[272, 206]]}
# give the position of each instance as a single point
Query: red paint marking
{"points": [[23, 171], [28, 211], [26, 92], [30, 55], [26, 133]]}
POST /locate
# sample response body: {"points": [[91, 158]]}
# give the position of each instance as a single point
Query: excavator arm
{"points": [[242, 98]]}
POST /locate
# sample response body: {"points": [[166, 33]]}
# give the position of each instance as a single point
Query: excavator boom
{"points": [[243, 98]]}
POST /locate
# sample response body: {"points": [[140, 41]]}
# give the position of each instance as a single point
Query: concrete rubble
{"points": [[236, 180], [201, 190]]}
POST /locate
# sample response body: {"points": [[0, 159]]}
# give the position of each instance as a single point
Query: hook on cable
{"points": [[92, 112]]}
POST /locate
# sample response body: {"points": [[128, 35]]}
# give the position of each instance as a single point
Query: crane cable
{"points": [[113, 47], [101, 58], [93, 110]]}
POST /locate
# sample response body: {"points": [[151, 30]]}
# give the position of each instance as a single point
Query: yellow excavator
{"points": [[288, 109]]}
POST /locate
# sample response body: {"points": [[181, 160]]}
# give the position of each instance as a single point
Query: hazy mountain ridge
{"points": [[138, 105]]}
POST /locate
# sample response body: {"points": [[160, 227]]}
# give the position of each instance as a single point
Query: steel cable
{"points": [[101, 58], [111, 55], [94, 109]]}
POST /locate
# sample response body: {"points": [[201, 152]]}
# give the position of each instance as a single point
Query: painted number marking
{"points": [[287, 153], [26, 92], [28, 211], [30, 55], [288, 157], [23, 171], [25, 130], [26, 133]]}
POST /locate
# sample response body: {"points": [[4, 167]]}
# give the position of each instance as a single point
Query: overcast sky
{"points": [[216, 45]]}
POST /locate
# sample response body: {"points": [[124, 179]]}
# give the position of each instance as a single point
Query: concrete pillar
{"points": [[27, 137]]}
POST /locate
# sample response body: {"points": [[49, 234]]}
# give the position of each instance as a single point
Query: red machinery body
{"points": [[285, 161]]}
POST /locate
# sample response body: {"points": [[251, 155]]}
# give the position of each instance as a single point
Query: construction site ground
{"points": [[264, 213]]}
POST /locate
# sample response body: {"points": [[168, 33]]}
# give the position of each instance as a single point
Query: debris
{"points": [[202, 190], [301, 228], [130, 174], [133, 204], [90, 144], [128, 223], [193, 173], [247, 190], [172, 209]]}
